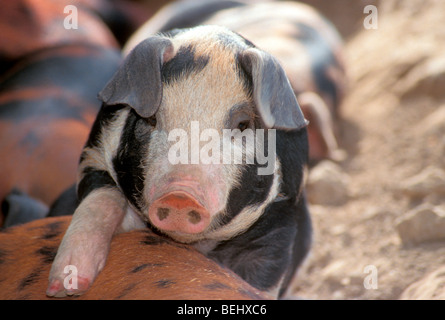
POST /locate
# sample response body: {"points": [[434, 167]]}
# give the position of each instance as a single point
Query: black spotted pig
{"points": [[249, 217], [140, 265], [305, 43]]}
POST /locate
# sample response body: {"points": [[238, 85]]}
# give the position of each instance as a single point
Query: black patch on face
{"points": [[52, 230], [322, 58], [104, 117], [48, 253], [164, 283], [93, 179], [129, 161], [183, 64], [253, 189], [146, 265]]}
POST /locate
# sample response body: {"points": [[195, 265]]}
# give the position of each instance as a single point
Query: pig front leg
{"points": [[87, 240]]}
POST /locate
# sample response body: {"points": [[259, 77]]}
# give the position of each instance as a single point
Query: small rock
{"points": [[327, 184], [427, 78], [431, 180], [433, 123], [430, 287], [422, 224]]}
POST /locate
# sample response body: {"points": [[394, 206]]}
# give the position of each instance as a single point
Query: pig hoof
{"points": [[57, 288]]}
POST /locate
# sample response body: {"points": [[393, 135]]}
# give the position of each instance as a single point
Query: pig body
{"points": [[48, 104], [203, 81], [305, 43], [141, 266], [49, 79]]}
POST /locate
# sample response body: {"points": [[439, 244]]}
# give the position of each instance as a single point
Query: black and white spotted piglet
{"points": [[210, 87]]}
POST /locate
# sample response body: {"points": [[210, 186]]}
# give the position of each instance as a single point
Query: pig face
{"points": [[208, 87], [200, 137]]}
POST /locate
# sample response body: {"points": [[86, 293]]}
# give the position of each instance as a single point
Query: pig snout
{"points": [[179, 211]]}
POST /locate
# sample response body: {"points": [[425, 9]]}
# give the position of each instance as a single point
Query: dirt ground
{"points": [[386, 228]]}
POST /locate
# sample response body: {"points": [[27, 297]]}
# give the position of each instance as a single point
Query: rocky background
{"points": [[379, 215]]}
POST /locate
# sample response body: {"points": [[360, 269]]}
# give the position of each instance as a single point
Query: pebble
{"points": [[425, 223], [327, 184]]}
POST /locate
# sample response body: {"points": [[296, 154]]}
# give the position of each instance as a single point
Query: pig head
{"points": [[162, 154]]}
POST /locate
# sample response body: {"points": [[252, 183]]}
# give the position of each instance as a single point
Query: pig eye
{"points": [[152, 121], [243, 125]]}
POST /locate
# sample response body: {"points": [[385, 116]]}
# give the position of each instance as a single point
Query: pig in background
{"points": [[49, 80]]}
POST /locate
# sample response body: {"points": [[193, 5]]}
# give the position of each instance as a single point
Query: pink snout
{"points": [[179, 211]]}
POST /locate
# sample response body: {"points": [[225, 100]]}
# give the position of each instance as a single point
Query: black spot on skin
{"points": [[246, 194], [146, 265], [164, 283], [183, 64], [3, 255], [104, 117], [52, 230], [322, 58], [151, 240], [18, 110], [129, 161], [93, 179], [76, 79], [29, 279], [127, 290], [48, 253], [154, 237], [216, 286]]}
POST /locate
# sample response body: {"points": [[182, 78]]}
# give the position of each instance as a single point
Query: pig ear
{"points": [[272, 92], [137, 83]]}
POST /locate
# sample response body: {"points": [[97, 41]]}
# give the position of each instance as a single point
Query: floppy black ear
{"points": [[137, 83], [272, 92]]}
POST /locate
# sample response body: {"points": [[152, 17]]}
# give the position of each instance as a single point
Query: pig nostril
{"points": [[163, 213], [194, 217]]}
